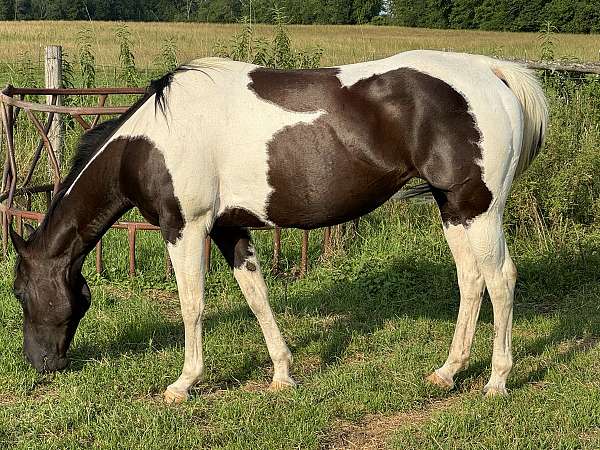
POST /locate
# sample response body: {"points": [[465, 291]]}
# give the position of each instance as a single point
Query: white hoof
{"points": [[281, 384], [174, 398], [436, 380], [494, 391]]}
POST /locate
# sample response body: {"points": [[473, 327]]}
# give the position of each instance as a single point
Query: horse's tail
{"points": [[527, 88]]}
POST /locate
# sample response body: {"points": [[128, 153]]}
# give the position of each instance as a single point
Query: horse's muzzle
{"points": [[46, 363]]}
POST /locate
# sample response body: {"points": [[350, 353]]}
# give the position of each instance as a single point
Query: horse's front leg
{"points": [[187, 256], [236, 246]]}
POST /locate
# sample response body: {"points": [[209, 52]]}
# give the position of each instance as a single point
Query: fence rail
{"points": [[562, 66]]}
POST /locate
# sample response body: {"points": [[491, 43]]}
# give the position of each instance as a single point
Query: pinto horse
{"points": [[219, 146]]}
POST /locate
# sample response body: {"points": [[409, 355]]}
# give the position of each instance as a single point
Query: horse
{"points": [[217, 147]]}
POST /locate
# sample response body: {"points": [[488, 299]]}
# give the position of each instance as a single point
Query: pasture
{"points": [[364, 325]]}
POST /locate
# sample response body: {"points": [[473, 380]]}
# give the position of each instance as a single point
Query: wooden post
{"points": [[99, 263], [207, 250], [131, 231], [53, 67]]}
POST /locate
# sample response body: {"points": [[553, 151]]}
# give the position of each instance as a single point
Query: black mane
{"points": [[88, 145], [161, 85]]}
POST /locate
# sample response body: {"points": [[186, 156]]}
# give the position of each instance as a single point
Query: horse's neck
{"points": [[77, 220]]}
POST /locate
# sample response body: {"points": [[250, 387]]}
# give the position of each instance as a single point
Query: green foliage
{"points": [[23, 10], [277, 53], [168, 55], [7, 10], [547, 42], [87, 60], [68, 72], [129, 74], [577, 16], [562, 187], [300, 11], [26, 73], [462, 14]]}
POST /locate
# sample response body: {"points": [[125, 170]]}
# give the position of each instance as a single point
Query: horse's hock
{"points": [[17, 182]]}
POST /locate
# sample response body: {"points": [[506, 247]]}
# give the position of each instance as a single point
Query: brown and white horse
{"points": [[219, 146]]}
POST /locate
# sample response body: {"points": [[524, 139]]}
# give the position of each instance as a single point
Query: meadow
{"points": [[365, 325], [342, 44]]}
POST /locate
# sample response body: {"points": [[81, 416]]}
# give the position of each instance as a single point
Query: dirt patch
{"points": [[6, 399], [578, 345], [375, 430]]}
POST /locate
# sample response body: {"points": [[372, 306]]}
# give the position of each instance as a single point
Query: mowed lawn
{"points": [[365, 326]]}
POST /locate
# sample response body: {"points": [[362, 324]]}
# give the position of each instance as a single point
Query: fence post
{"points": [[53, 70]]}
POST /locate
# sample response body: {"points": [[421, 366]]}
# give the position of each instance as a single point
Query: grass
{"points": [[364, 328], [364, 325]]}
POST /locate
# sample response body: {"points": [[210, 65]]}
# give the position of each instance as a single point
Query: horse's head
{"points": [[54, 297]]}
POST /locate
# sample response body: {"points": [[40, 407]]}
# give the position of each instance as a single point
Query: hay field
{"points": [[341, 44]]}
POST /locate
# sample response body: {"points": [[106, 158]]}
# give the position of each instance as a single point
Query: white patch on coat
{"points": [[187, 255], [496, 110], [215, 137]]}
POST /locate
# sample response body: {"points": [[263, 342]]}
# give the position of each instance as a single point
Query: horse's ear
{"points": [[30, 229], [17, 241]]}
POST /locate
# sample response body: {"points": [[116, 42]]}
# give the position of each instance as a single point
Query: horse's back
{"points": [[313, 147]]}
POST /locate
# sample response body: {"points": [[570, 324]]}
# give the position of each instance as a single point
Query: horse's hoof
{"points": [[279, 385], [174, 398], [493, 391], [435, 380]]}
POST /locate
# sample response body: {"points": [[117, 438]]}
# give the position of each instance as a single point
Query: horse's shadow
{"points": [[365, 301]]}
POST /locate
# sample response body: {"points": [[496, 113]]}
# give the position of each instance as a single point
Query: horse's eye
{"points": [[20, 296]]}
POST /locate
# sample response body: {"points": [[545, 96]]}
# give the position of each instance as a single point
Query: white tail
{"points": [[527, 88]]}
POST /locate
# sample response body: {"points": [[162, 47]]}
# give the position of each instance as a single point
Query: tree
{"points": [[6, 10], [587, 17], [364, 10], [23, 9], [408, 13], [462, 14]]}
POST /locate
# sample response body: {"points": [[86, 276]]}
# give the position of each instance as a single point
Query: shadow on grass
{"points": [[362, 300]]}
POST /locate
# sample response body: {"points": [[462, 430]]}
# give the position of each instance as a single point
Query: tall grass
{"points": [[341, 44]]}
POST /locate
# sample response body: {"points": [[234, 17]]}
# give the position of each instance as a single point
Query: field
{"points": [[364, 326], [341, 44]]}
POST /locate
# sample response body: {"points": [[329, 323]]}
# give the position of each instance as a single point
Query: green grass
{"points": [[364, 327]]}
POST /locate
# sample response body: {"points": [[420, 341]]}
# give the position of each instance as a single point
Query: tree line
{"points": [[576, 16], [297, 11], [573, 16]]}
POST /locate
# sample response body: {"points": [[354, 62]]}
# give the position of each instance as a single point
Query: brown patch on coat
{"points": [[373, 138], [146, 183], [234, 244]]}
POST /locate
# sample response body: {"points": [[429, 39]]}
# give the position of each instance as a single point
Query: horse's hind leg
{"points": [[472, 285], [236, 246], [487, 241], [187, 255]]}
